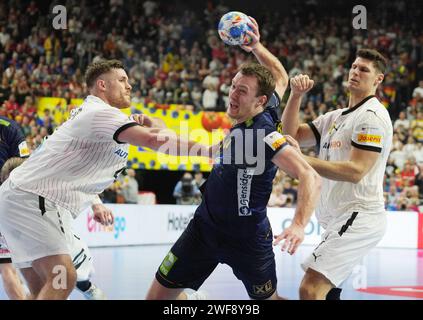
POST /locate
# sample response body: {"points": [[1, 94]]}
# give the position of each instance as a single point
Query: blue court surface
{"points": [[126, 273]]}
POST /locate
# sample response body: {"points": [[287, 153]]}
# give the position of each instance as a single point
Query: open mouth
{"points": [[354, 81], [233, 107]]}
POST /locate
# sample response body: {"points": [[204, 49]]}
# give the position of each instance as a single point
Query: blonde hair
{"points": [[9, 166]]}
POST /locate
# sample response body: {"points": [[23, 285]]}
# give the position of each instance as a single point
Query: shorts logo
{"points": [[168, 263], [369, 138], [275, 140], [263, 288]]}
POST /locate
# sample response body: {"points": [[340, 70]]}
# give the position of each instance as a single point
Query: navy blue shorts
{"points": [[201, 248]]}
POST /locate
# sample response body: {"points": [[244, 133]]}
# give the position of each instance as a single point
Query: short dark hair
{"points": [[379, 61], [100, 67], [265, 80]]}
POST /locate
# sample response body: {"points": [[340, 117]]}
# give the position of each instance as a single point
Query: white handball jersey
{"points": [[80, 159], [366, 126]]}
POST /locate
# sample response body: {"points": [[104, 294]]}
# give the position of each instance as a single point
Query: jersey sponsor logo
{"points": [[244, 178], [168, 263], [121, 153], [23, 149], [274, 140], [332, 145], [369, 138]]}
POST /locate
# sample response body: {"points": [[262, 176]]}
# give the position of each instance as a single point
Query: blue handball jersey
{"points": [[237, 191], [12, 140]]}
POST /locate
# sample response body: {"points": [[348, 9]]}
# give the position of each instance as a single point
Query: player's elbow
{"points": [[357, 175], [312, 178]]}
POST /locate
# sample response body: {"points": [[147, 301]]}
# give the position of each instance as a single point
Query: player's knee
{"points": [[8, 271], [71, 279], [308, 291], [159, 292], [63, 278]]}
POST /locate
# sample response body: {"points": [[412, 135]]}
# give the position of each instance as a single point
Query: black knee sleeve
{"points": [[334, 294], [83, 285]]}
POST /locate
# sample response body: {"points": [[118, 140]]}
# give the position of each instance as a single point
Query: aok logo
{"points": [[118, 226], [332, 145]]}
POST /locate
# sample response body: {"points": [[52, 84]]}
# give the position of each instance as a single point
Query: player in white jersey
{"points": [[76, 163], [81, 256], [353, 144]]}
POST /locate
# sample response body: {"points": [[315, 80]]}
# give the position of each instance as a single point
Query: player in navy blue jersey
{"points": [[12, 144], [231, 226]]}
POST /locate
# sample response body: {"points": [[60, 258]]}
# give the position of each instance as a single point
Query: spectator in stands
{"points": [[417, 127], [289, 190], [186, 191], [277, 198], [199, 179], [407, 174], [129, 187], [418, 92], [402, 121], [210, 97]]}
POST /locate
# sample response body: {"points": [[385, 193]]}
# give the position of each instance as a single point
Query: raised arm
{"points": [[267, 59], [300, 85]]}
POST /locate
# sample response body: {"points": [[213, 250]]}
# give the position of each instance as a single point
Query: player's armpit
{"points": [[307, 136]]}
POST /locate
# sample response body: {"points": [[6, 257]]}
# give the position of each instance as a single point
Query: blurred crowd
{"points": [[174, 56]]}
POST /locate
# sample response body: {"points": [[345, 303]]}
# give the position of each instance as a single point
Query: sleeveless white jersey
{"points": [[80, 159], [366, 126]]}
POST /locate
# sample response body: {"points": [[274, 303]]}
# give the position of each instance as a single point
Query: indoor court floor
{"points": [[126, 273]]}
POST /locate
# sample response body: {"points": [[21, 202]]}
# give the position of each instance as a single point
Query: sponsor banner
{"points": [[163, 224], [135, 225]]}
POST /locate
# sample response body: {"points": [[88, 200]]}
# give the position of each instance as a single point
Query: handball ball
{"points": [[233, 27]]}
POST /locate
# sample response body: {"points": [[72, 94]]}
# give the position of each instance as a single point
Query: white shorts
{"points": [[4, 251], [32, 226], [347, 239], [81, 256]]}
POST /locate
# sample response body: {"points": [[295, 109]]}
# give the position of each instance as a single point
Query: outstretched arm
{"points": [[290, 161], [163, 140]]}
